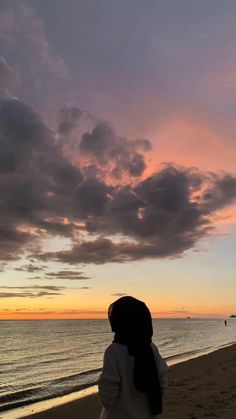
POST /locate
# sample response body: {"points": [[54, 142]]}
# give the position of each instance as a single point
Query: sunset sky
{"points": [[117, 157]]}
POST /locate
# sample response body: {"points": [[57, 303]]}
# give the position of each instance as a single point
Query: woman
{"points": [[134, 374]]}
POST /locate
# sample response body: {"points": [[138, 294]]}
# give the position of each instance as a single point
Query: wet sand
{"points": [[203, 387]]}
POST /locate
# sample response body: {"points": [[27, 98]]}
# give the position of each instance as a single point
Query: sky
{"points": [[117, 157]]}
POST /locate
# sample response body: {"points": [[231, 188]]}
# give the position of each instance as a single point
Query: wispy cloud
{"points": [[43, 287], [23, 34], [67, 274], [8, 78], [44, 312], [35, 291], [30, 268], [28, 294]]}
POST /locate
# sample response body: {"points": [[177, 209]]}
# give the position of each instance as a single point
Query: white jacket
{"points": [[117, 392]]}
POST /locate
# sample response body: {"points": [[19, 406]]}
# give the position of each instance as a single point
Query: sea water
{"points": [[44, 359]]}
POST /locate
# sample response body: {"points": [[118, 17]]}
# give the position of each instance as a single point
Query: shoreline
{"points": [[87, 400]]}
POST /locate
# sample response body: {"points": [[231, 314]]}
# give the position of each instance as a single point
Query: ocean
{"points": [[44, 359]]}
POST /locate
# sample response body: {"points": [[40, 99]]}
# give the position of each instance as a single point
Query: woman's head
{"points": [[130, 320]]}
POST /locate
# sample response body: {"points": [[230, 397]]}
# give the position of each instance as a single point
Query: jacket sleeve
{"points": [[109, 380]]}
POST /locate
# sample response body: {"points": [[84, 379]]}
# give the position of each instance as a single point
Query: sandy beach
{"points": [[203, 387]]}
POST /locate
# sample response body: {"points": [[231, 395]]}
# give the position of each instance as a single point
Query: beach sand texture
{"points": [[203, 387]]}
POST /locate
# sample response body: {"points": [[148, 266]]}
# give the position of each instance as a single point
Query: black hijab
{"points": [[131, 322]]}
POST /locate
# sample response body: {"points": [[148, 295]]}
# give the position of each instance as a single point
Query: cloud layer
{"points": [[99, 198]]}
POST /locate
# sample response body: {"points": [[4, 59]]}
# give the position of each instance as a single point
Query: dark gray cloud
{"points": [[101, 251], [12, 241], [69, 119], [23, 133], [220, 192], [164, 215], [44, 193], [92, 197], [37, 183], [119, 155]]}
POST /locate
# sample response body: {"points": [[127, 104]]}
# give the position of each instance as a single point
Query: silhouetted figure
{"points": [[225, 322], [134, 374]]}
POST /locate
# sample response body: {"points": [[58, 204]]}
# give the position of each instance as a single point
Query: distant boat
{"points": [[233, 316]]}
